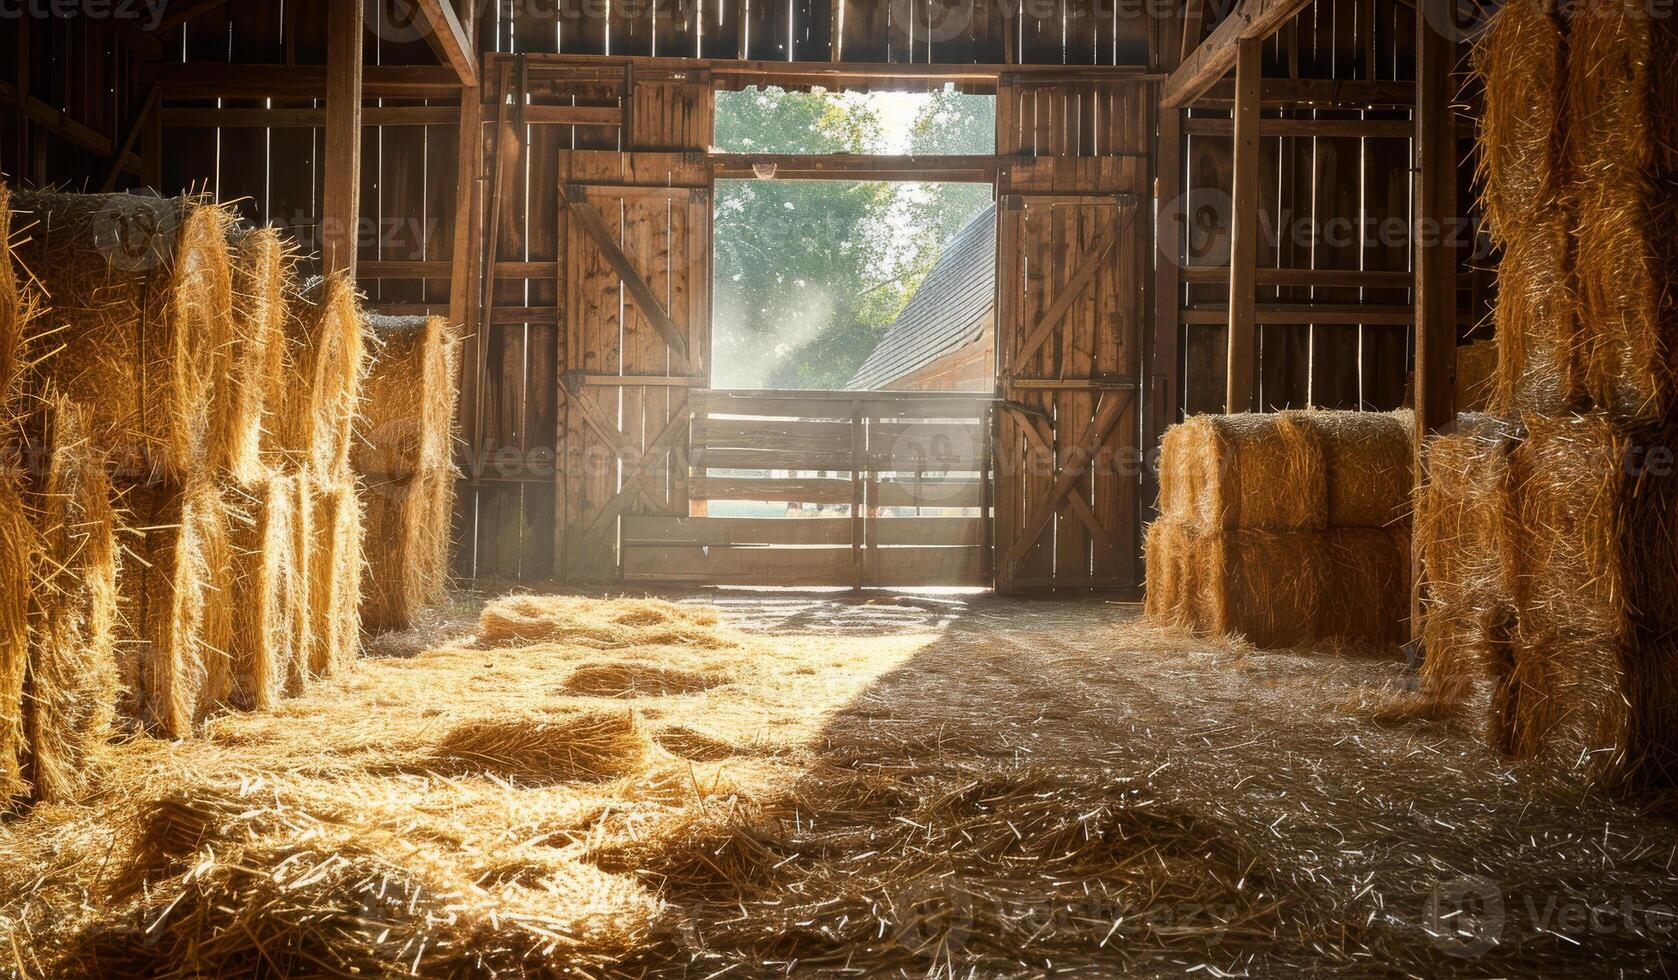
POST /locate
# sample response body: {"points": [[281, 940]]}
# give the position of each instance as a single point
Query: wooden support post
{"points": [[1239, 387], [859, 452], [1164, 399], [341, 197], [464, 283], [1435, 224]]}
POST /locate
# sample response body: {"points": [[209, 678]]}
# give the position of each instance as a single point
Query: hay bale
{"points": [[1366, 585], [299, 589], [1519, 57], [1593, 568], [1540, 336], [262, 575], [402, 454], [1622, 121], [140, 301], [408, 397], [1368, 461], [1549, 550], [255, 354], [73, 685], [1461, 534], [1476, 375], [334, 578], [1230, 467], [17, 308], [17, 543], [319, 392], [403, 573], [172, 613], [1280, 588]]}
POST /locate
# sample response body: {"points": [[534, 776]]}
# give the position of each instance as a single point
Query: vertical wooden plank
{"points": [[1435, 167], [1238, 381], [340, 202]]}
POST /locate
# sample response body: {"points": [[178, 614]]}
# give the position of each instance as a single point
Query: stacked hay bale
{"points": [[58, 569], [319, 394], [224, 396], [261, 578], [1547, 538], [403, 456], [139, 306], [1288, 528]]}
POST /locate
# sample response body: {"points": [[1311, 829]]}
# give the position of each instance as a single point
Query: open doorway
{"points": [[837, 284]]}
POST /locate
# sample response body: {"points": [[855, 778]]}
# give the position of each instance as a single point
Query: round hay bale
{"points": [[320, 389], [73, 681], [177, 624], [140, 300], [255, 355], [262, 577]]}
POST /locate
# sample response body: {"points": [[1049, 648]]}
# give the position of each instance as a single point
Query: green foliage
{"points": [[809, 274]]}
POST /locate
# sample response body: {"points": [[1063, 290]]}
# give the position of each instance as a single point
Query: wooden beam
{"points": [[1168, 270], [1252, 21], [56, 121], [1362, 278], [1322, 128], [449, 40], [977, 168], [1317, 314], [1284, 93], [198, 80], [1242, 369], [1435, 168], [341, 195], [469, 161]]}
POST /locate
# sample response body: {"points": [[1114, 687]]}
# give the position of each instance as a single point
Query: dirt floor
{"points": [[914, 785]]}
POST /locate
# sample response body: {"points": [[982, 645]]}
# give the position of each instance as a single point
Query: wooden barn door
{"points": [[1068, 463], [635, 275]]}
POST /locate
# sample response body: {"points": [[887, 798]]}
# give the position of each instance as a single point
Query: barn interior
{"points": [[1241, 540]]}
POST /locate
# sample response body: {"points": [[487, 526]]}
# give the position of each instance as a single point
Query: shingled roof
{"points": [[950, 310]]}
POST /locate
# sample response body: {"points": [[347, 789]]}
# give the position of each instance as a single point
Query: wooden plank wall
{"points": [[1330, 203], [71, 88]]}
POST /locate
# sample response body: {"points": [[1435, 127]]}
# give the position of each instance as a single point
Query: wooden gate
{"points": [[1068, 464], [827, 488], [636, 281]]}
